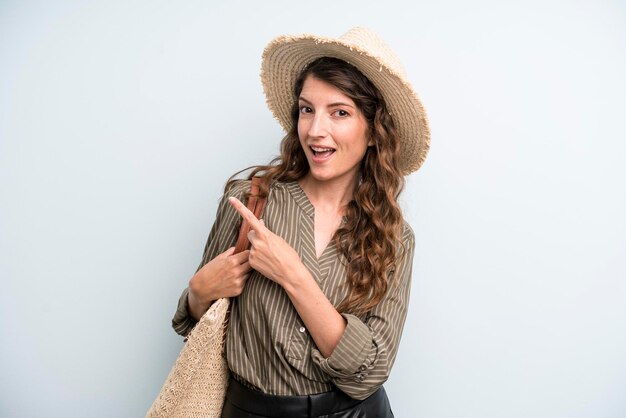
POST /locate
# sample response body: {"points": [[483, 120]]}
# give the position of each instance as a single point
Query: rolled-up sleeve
{"points": [[364, 355], [183, 322], [223, 235]]}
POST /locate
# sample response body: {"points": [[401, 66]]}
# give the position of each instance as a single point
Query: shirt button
{"points": [[302, 329]]}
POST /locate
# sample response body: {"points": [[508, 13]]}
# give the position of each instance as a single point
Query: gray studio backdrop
{"points": [[121, 120]]}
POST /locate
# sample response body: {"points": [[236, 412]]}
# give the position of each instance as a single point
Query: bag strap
{"points": [[256, 205]]}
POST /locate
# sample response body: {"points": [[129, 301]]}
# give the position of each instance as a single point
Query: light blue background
{"points": [[121, 120]]}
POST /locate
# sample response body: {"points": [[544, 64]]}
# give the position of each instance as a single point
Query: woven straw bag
{"points": [[197, 382], [196, 385]]}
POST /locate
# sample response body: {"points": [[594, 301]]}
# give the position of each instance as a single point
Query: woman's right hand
{"points": [[224, 276]]}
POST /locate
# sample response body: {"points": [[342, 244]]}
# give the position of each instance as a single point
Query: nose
{"points": [[318, 126]]}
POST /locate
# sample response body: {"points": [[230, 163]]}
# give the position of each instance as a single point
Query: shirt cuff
{"points": [[183, 322], [351, 355]]}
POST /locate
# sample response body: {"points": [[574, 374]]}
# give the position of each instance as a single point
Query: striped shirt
{"points": [[268, 347]]}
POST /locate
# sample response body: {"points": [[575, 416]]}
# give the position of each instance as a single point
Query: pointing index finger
{"points": [[254, 223]]}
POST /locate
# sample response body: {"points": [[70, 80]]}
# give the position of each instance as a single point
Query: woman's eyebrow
{"points": [[334, 104]]}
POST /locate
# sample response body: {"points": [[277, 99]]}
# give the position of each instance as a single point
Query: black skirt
{"points": [[242, 402]]}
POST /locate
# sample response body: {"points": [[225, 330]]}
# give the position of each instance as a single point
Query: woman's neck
{"points": [[330, 196]]}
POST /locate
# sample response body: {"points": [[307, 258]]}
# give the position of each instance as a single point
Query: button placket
{"points": [[298, 342]]}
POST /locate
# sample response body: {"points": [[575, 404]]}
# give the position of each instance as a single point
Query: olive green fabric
{"points": [[268, 347]]}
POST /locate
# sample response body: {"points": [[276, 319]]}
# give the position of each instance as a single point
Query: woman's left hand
{"points": [[270, 255]]}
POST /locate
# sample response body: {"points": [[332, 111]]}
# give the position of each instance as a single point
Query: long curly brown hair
{"points": [[370, 236]]}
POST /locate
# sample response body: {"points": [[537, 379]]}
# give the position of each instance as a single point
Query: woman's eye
{"points": [[342, 113], [305, 109]]}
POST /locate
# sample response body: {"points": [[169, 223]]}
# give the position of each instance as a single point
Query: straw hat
{"points": [[285, 57]]}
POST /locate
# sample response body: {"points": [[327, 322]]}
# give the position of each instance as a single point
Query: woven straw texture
{"points": [[196, 385], [286, 56]]}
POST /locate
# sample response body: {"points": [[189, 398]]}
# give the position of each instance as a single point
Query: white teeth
{"points": [[316, 149]]}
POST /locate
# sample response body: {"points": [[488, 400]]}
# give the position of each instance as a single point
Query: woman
{"points": [[320, 299]]}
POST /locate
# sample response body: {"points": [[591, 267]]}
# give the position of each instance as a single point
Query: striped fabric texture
{"points": [[267, 346]]}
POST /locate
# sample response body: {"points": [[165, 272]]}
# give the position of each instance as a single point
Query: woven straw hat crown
{"points": [[287, 56]]}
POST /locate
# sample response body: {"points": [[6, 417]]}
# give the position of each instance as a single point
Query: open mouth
{"points": [[322, 152]]}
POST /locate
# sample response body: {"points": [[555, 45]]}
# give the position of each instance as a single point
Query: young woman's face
{"points": [[332, 130]]}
